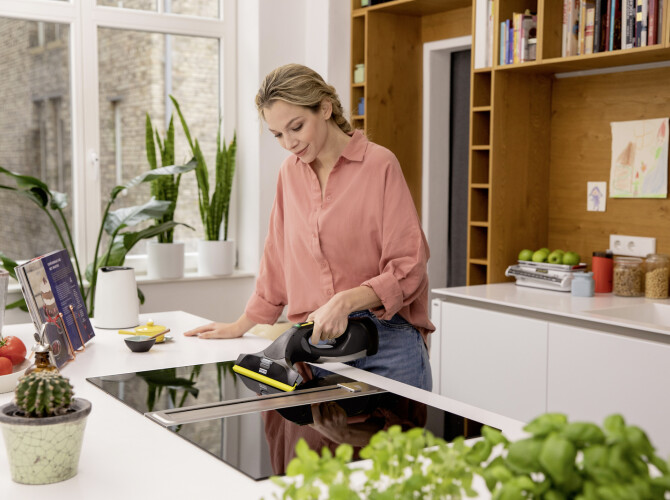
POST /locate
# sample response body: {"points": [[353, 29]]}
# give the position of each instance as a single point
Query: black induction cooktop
{"points": [[261, 443]]}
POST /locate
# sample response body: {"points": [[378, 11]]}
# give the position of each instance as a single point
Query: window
{"points": [[79, 77]]}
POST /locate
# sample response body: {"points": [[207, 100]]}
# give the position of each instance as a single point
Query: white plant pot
{"points": [[44, 450], [216, 258], [165, 260]]}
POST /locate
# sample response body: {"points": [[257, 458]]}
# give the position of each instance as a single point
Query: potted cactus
{"points": [[43, 428]]}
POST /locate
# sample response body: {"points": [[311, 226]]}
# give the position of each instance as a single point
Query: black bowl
{"points": [[139, 343]]}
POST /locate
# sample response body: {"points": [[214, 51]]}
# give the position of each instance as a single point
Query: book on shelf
{"points": [[589, 30], [484, 10], [652, 22], [51, 291], [601, 5], [641, 19], [614, 31], [502, 58], [570, 27], [628, 24]]}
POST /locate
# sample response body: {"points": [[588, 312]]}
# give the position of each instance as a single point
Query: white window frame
{"points": [[84, 18]]}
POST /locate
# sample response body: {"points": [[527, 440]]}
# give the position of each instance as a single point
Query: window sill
{"points": [[143, 279]]}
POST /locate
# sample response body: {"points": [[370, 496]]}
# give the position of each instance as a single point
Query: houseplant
{"points": [[115, 223], [43, 428], [558, 460], [216, 256], [165, 258]]}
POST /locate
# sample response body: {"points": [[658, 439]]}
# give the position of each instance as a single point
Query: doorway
{"points": [[446, 125]]}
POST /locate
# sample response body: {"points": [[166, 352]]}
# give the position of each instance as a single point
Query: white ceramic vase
{"points": [[165, 260], [44, 450], [216, 258]]}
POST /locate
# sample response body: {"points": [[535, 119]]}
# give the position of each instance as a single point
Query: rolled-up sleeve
{"points": [[269, 298], [404, 252]]}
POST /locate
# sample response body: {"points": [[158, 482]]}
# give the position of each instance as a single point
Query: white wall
{"points": [[269, 33]]}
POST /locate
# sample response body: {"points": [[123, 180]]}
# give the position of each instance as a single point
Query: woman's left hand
{"points": [[330, 321]]}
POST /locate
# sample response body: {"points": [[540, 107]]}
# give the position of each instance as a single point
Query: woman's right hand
{"points": [[222, 330]]}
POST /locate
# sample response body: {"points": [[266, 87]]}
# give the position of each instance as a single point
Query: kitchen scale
{"points": [[544, 275], [210, 406]]}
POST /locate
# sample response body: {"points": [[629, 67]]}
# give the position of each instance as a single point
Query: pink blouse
{"points": [[365, 231]]}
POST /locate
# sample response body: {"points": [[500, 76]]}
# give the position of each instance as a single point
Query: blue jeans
{"points": [[402, 354]]}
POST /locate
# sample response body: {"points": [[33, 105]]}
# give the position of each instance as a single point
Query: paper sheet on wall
{"points": [[639, 159]]}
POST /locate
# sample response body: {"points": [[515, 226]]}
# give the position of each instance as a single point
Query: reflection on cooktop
{"points": [[261, 444]]}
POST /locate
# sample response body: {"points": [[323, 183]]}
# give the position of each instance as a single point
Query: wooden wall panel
{"points": [[581, 151], [520, 167], [393, 91], [450, 24]]}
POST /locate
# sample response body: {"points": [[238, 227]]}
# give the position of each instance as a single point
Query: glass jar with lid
{"points": [[628, 277], [657, 272]]}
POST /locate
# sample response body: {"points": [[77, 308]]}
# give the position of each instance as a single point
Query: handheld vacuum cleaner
{"points": [[273, 367]]}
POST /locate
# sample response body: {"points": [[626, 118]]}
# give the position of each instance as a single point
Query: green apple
{"points": [[544, 249], [555, 257], [571, 258], [525, 254], [540, 255]]}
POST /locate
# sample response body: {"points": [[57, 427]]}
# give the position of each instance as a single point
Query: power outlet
{"points": [[634, 246]]}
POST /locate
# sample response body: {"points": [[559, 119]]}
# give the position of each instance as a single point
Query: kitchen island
{"points": [[522, 351], [126, 455]]}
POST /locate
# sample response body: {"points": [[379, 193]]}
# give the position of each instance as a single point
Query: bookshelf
{"points": [[540, 130], [388, 39]]}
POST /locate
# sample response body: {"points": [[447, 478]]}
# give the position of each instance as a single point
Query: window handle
{"points": [[94, 161]]}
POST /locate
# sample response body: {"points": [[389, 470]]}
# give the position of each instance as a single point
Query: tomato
{"points": [[5, 366], [13, 348]]}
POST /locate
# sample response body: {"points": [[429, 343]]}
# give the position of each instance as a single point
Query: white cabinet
{"points": [[594, 374], [493, 360]]}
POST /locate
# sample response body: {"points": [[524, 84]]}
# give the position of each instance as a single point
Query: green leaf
{"points": [[545, 424], [583, 433], [129, 216], [158, 173], [615, 427], [557, 457], [523, 456], [150, 145], [140, 295], [494, 436], [20, 304], [9, 265]]}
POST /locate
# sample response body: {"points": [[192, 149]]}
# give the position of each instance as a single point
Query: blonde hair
{"points": [[302, 86]]}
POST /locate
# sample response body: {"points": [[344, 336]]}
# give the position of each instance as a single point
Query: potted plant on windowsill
{"points": [[216, 253], [165, 257], [43, 428], [116, 223]]}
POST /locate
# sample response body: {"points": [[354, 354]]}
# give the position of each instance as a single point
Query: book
{"points": [[51, 291], [615, 26], [641, 23], [597, 28], [607, 27], [582, 27], [489, 33], [659, 26], [516, 36], [574, 31], [589, 29], [628, 24], [652, 22], [510, 42], [503, 44]]}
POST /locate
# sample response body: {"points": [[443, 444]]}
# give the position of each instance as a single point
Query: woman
{"points": [[344, 237]]}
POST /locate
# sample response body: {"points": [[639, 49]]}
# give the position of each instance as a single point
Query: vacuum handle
{"points": [[360, 335]]}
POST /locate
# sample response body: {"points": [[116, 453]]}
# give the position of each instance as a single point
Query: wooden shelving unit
{"points": [[540, 131], [388, 39]]}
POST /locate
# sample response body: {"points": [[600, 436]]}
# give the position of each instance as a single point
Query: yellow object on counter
{"points": [[148, 329]]}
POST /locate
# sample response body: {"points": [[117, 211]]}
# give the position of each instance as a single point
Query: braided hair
{"points": [[302, 86]]}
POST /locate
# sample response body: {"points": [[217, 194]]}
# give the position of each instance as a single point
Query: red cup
{"points": [[602, 266]]}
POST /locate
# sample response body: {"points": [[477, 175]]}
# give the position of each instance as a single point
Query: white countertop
{"points": [[125, 455], [637, 313]]}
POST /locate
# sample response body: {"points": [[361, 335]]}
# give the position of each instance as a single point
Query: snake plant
{"points": [[213, 210], [164, 187]]}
